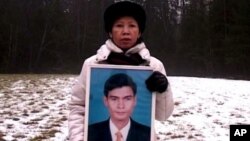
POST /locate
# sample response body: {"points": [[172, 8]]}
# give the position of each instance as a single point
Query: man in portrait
{"points": [[120, 99]]}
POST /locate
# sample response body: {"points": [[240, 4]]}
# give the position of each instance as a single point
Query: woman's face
{"points": [[125, 32]]}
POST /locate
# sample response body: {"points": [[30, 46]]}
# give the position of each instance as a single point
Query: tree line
{"points": [[209, 38]]}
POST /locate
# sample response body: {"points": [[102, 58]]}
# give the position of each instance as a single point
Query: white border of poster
{"points": [[144, 111]]}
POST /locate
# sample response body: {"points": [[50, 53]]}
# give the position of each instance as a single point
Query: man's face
{"points": [[120, 103]]}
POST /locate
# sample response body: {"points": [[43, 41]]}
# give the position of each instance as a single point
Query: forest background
{"points": [[206, 38]]}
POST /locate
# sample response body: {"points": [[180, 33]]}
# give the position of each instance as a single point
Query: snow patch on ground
{"points": [[34, 107]]}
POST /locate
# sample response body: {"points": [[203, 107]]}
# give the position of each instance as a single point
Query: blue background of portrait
{"points": [[97, 109]]}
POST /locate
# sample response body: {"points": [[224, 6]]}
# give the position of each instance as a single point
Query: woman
{"points": [[125, 23]]}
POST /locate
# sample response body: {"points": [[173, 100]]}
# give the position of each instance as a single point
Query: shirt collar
{"points": [[124, 130]]}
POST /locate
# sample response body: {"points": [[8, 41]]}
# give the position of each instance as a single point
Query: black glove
{"points": [[157, 82]]}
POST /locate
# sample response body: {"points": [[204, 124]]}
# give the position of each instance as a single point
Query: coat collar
{"points": [[104, 51]]}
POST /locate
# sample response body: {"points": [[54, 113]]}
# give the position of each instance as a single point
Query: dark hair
{"points": [[121, 9], [117, 81]]}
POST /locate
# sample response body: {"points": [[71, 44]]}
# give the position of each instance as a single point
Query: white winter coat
{"points": [[164, 102]]}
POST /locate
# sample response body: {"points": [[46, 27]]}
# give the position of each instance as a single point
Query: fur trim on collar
{"points": [[104, 51]]}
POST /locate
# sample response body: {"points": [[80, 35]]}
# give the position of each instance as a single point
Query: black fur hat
{"points": [[124, 8]]}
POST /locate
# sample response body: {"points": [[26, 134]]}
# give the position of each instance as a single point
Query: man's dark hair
{"points": [[117, 81]]}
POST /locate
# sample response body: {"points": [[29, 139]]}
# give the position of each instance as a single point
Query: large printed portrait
{"points": [[118, 104]]}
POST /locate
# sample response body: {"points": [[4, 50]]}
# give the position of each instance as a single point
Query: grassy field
{"points": [[34, 108]]}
